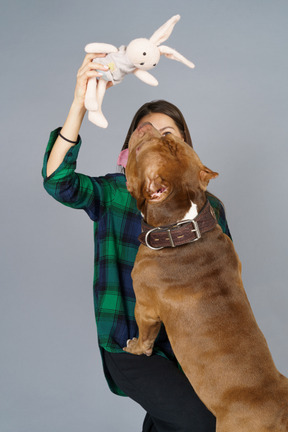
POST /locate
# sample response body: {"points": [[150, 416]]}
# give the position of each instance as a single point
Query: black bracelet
{"points": [[66, 139]]}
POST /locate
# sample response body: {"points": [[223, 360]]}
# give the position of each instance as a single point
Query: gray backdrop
{"points": [[235, 102]]}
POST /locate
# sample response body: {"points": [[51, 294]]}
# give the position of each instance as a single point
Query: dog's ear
{"points": [[205, 176]]}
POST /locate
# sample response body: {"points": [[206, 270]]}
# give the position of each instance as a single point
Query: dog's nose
{"points": [[144, 126]]}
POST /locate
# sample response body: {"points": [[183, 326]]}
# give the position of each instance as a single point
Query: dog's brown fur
{"points": [[197, 292]]}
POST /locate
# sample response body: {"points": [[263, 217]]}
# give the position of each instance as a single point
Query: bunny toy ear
{"points": [[164, 31], [174, 55]]}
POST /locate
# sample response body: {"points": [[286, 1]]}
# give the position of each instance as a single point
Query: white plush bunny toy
{"points": [[137, 58]]}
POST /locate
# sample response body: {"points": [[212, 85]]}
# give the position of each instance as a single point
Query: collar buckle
{"points": [[196, 229]]}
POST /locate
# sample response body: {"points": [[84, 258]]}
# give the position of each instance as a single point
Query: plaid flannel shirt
{"points": [[117, 224]]}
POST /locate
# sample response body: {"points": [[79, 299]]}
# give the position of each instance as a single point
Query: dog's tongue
{"points": [[123, 158]]}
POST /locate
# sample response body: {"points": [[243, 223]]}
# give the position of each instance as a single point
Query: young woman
{"points": [[155, 382]]}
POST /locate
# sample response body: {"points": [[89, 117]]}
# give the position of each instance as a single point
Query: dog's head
{"points": [[164, 174]]}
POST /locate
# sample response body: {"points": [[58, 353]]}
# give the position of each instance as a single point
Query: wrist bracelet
{"points": [[66, 139]]}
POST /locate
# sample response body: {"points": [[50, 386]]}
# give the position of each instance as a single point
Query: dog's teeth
{"points": [[158, 193]]}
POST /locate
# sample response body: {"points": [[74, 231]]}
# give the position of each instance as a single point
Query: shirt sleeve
{"points": [[75, 190], [219, 209]]}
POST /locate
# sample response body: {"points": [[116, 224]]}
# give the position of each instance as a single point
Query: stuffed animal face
{"points": [[143, 53]]}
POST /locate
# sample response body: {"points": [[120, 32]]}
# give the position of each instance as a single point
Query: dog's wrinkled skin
{"points": [[196, 291]]}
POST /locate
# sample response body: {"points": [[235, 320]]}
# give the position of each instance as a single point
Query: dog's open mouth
{"points": [[156, 189], [159, 194]]}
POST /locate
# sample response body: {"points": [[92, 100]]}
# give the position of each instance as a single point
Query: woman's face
{"points": [[163, 123]]}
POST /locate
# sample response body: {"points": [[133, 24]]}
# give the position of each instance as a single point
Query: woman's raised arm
{"points": [[71, 127]]}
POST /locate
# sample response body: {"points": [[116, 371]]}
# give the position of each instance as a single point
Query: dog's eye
{"points": [[154, 64], [144, 53], [141, 64]]}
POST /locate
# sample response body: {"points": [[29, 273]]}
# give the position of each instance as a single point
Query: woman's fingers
{"points": [[88, 59], [91, 56], [92, 67]]}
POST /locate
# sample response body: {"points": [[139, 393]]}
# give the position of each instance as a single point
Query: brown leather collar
{"points": [[180, 233]]}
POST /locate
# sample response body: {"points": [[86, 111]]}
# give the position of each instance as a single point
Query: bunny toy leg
{"points": [[90, 97], [97, 116]]}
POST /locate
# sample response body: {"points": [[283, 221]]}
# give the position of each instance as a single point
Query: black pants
{"points": [[162, 390]]}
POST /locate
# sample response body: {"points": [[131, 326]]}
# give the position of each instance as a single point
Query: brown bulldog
{"points": [[196, 289]]}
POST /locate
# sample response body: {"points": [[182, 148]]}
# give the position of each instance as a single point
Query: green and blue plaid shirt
{"points": [[117, 224]]}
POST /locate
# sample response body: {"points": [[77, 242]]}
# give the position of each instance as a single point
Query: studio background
{"points": [[235, 103]]}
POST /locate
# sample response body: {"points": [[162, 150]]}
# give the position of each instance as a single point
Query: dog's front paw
{"points": [[134, 347]]}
